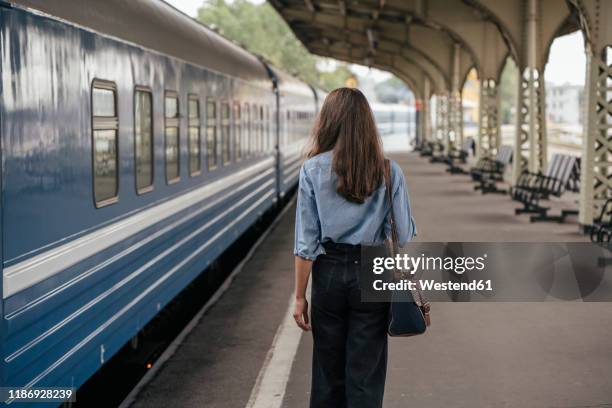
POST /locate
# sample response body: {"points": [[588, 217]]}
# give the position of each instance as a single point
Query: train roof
{"points": [[158, 26], [291, 84]]}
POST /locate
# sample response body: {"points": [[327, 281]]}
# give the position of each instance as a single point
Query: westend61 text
{"points": [[429, 285]]}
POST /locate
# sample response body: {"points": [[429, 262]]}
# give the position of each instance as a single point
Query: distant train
{"points": [[137, 145]]}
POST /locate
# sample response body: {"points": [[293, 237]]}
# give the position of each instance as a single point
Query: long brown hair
{"points": [[346, 125]]}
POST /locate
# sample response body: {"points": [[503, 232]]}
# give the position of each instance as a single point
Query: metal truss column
{"points": [[436, 117], [442, 119], [456, 108], [418, 138], [423, 121], [530, 148], [488, 121], [425, 114], [596, 161]]}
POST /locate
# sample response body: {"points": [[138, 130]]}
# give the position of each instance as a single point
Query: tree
{"points": [[259, 29], [508, 89], [392, 90], [330, 80]]}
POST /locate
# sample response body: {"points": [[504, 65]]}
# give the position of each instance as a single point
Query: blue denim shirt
{"points": [[323, 215]]}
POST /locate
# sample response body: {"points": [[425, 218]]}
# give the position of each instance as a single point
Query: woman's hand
{"points": [[302, 274], [300, 313]]}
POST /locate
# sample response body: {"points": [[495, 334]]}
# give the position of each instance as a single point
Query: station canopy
{"points": [[417, 39]]}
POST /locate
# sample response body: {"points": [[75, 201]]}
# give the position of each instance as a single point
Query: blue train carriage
{"points": [[298, 108], [136, 146]]}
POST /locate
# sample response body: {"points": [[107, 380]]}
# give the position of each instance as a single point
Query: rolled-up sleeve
{"points": [[307, 226], [406, 227]]}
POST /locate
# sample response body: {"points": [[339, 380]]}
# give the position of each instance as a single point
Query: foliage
{"points": [[259, 29], [508, 92], [330, 80], [392, 90]]}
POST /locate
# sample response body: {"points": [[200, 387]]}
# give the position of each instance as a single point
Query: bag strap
{"points": [[394, 236], [388, 188]]}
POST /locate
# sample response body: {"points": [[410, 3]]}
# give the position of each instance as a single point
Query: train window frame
{"points": [[172, 122], [104, 123], [237, 125], [246, 128], [194, 122], [226, 132], [211, 101], [150, 187]]}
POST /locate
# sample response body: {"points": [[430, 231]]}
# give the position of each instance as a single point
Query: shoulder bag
{"points": [[407, 316]]}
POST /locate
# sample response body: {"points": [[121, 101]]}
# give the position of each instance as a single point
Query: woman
{"points": [[342, 203]]}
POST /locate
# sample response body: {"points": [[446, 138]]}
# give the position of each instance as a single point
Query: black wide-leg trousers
{"points": [[349, 361]]}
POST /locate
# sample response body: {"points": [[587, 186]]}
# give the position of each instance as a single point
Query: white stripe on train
{"points": [[40, 267]]}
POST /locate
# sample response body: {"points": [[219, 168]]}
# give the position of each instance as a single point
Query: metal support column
{"points": [[521, 138], [436, 117], [456, 108], [442, 114], [488, 121], [418, 138], [425, 115], [442, 118], [426, 121], [596, 162], [530, 141]]}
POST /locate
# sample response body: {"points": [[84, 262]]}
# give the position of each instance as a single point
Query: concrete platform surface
{"points": [[474, 355], [218, 362]]}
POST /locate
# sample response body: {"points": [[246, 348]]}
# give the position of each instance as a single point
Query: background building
{"points": [[564, 103]]}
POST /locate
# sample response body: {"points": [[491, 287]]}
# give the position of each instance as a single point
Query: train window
{"points": [[104, 99], [296, 126], [105, 128], [261, 129], [254, 129], [267, 129], [225, 133], [172, 137], [195, 163], [275, 127], [143, 139], [289, 128], [211, 133], [301, 124], [264, 127], [246, 128], [237, 132]]}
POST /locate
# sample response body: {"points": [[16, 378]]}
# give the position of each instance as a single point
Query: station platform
{"points": [[246, 351]]}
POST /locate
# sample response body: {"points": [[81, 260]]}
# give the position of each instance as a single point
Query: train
{"points": [[137, 145]]}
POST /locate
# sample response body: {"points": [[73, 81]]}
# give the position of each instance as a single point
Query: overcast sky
{"points": [[566, 62], [190, 7]]}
